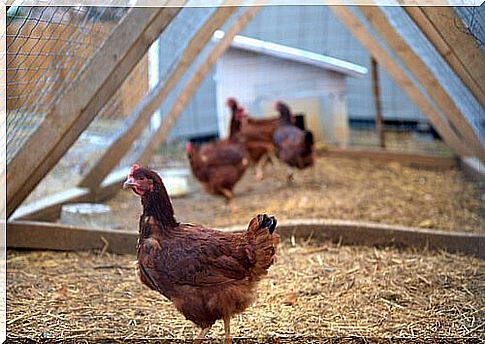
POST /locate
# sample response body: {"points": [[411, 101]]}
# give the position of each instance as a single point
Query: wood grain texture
{"points": [[444, 29], [54, 236]]}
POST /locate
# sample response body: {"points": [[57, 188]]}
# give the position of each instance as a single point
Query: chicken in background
{"points": [[256, 134], [219, 165], [293, 145], [206, 273]]}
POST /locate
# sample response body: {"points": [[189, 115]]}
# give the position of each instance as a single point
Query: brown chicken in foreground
{"points": [[207, 274], [219, 165], [256, 134], [293, 145]]}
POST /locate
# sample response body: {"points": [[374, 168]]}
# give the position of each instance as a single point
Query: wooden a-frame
{"points": [[78, 106], [376, 17], [399, 76]]}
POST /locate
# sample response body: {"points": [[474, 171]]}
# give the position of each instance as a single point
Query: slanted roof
{"points": [[294, 54]]}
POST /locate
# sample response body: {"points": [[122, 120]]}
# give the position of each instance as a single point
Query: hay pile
{"points": [[338, 189], [312, 290]]}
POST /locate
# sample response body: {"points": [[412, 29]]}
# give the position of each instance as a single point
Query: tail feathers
{"points": [[308, 141], [262, 244]]}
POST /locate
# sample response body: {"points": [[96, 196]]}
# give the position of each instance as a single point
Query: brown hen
{"points": [[219, 165], [256, 134], [207, 274], [293, 145]]}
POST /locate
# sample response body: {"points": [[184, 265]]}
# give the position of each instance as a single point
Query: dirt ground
{"points": [[313, 290], [335, 188]]}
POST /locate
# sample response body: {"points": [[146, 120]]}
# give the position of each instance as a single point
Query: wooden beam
{"points": [[445, 30], [55, 236], [78, 106], [186, 94], [399, 76], [378, 20], [140, 117], [377, 102], [49, 208]]}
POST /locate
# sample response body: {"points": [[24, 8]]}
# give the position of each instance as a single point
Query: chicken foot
{"points": [[260, 166], [227, 330], [201, 335]]}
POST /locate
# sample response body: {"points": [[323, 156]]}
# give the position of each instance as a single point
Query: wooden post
{"points": [[397, 73], [78, 106], [425, 77], [445, 30], [377, 102], [193, 83], [141, 115]]}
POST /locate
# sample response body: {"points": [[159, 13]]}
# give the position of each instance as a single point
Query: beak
{"points": [[129, 183]]}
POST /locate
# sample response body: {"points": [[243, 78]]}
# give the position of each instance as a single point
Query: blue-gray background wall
{"points": [[312, 28]]}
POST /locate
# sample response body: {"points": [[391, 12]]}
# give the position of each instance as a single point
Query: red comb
{"points": [[188, 147], [133, 168]]}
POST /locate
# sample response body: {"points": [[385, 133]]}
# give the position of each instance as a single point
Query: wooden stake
{"points": [[377, 101]]}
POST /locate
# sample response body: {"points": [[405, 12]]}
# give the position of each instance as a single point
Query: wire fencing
{"points": [[110, 122], [46, 49]]}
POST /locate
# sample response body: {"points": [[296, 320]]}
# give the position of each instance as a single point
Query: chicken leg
{"points": [[227, 330], [201, 335]]}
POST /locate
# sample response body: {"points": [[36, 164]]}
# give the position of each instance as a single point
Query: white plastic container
{"points": [[176, 181], [93, 215]]}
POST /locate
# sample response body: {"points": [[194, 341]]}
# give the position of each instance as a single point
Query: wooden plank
{"points": [[55, 236], [102, 76], [378, 20], [49, 208], [186, 94], [402, 80], [444, 29], [377, 102], [416, 160], [140, 117]]}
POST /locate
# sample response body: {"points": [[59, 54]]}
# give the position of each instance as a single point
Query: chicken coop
{"points": [[379, 229]]}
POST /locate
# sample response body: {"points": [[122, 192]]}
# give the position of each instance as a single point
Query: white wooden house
{"points": [[257, 73]]}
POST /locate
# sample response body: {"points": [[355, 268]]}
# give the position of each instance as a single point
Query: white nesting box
{"points": [[258, 73]]}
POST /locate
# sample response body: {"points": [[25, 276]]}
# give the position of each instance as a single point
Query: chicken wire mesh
{"points": [[473, 18], [46, 49], [118, 111]]}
